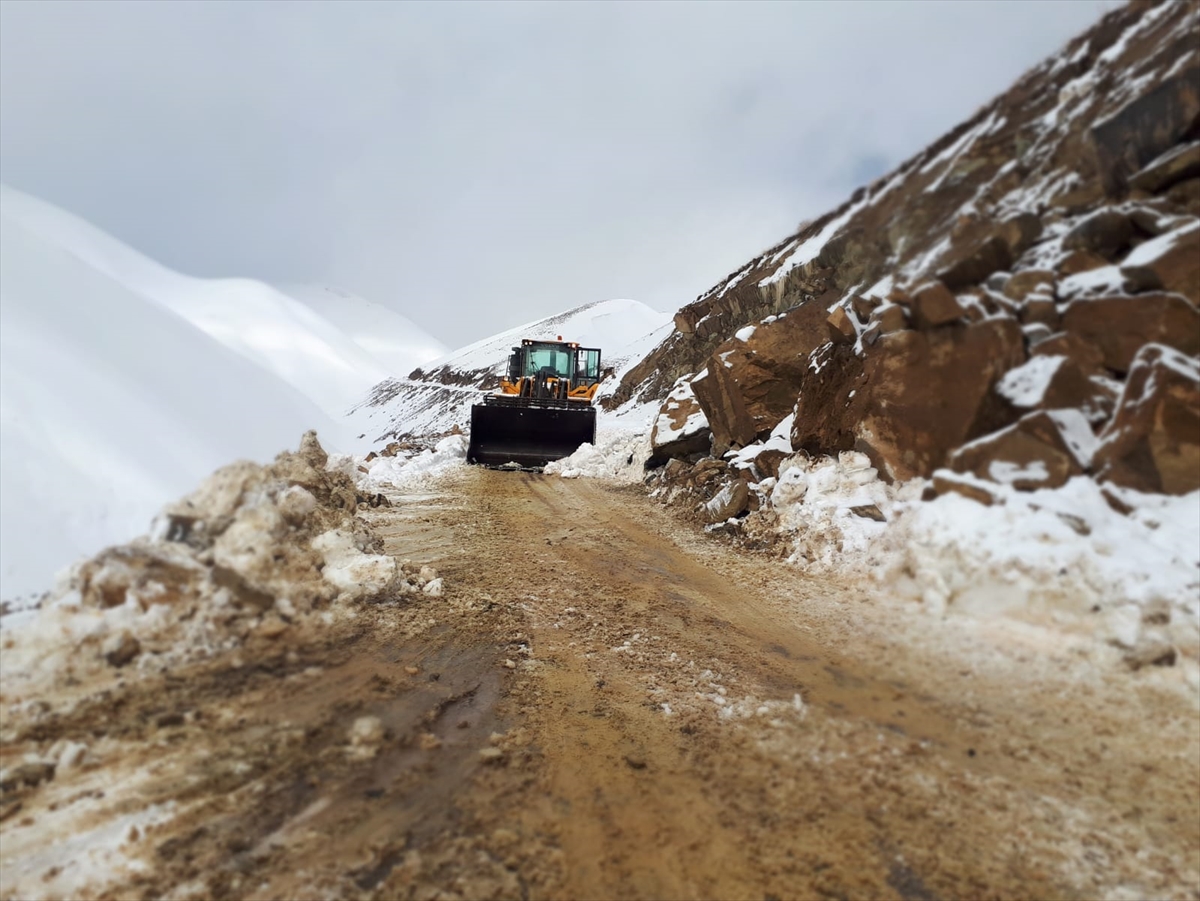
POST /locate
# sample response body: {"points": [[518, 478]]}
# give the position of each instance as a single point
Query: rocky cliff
{"points": [[1016, 302]]}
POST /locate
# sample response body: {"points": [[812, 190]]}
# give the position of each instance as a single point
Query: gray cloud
{"points": [[478, 165]]}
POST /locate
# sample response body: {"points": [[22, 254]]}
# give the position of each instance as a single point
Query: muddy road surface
{"points": [[606, 703]]}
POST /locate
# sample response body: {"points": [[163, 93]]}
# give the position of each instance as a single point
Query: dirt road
{"points": [[608, 704]]}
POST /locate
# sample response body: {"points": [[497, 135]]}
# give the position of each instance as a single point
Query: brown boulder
{"points": [[1086, 355], [1153, 440], [863, 306], [1029, 281], [1173, 166], [1106, 232], [1040, 309], [947, 482], [1048, 382], [1171, 262], [680, 429], [750, 386], [1120, 326], [1079, 261], [1042, 450], [933, 304], [1186, 195], [732, 500], [911, 399], [973, 266], [890, 317], [841, 327]]}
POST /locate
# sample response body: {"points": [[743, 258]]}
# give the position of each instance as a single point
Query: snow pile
{"points": [[1063, 551], [404, 469], [254, 552], [829, 509], [619, 455], [111, 405]]}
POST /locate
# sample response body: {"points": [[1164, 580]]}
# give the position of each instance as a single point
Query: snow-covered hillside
{"points": [[274, 330], [111, 404], [443, 390], [398, 343]]}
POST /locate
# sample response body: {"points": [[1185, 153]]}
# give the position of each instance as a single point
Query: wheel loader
{"points": [[543, 409]]}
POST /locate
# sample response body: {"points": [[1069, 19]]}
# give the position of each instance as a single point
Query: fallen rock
{"points": [[1029, 281], [1152, 442], [1042, 450], [1079, 261], [1083, 353], [681, 428], [841, 327], [1175, 165], [1121, 326], [889, 317], [1105, 232], [1053, 382], [1150, 652], [911, 399], [729, 502], [869, 511], [933, 304], [1170, 262]]}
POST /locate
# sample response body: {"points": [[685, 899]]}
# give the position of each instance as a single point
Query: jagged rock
{"points": [[890, 317], [1041, 310], [1083, 353], [1152, 442], [1170, 262], [973, 267], [1079, 261], [29, 774], [729, 502], [869, 511], [1173, 166], [1150, 652], [934, 305], [681, 428], [750, 386], [1029, 281], [841, 327], [1106, 233], [1053, 382], [1120, 326], [863, 306], [1146, 127], [1042, 450], [910, 400]]}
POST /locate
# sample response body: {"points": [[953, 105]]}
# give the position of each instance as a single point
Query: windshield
{"points": [[548, 356]]}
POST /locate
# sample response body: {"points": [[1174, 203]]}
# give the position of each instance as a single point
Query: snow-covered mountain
{"points": [[123, 383], [439, 395], [398, 343], [281, 334]]}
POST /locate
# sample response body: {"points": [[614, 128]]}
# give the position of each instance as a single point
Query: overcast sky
{"points": [[475, 166]]}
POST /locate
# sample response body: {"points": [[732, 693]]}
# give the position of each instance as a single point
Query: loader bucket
{"points": [[528, 435]]}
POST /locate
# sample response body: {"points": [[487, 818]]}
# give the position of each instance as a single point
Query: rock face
{"points": [[979, 307], [912, 398], [1153, 440]]}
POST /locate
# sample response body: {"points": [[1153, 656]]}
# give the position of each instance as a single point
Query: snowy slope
{"points": [[275, 331], [398, 343], [445, 388], [110, 403]]}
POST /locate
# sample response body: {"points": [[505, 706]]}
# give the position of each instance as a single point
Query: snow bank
{"points": [[254, 552], [404, 470]]}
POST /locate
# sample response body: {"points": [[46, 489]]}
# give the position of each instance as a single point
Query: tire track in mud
{"points": [[607, 704]]}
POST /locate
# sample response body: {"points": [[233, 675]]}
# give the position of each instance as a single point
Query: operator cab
{"points": [[555, 359]]}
